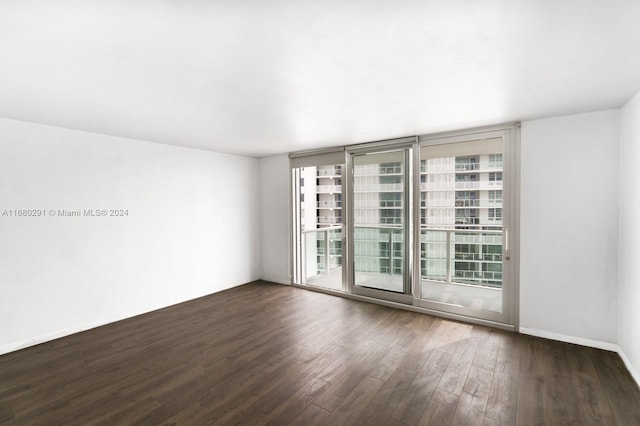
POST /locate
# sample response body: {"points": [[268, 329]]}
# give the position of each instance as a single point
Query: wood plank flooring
{"points": [[271, 354]]}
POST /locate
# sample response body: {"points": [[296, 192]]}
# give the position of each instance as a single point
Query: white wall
{"points": [[274, 218], [629, 244], [569, 226], [193, 228]]}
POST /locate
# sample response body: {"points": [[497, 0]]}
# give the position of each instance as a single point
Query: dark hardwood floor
{"points": [[272, 354]]}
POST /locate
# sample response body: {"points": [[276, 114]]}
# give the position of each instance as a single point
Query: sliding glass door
{"points": [[466, 210], [464, 226], [427, 221], [318, 220], [380, 215]]}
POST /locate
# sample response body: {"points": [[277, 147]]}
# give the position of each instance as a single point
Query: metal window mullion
{"points": [[326, 251], [448, 256], [416, 210], [408, 249], [347, 225]]}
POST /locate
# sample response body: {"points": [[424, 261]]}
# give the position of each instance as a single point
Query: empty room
{"points": [[319, 213]]}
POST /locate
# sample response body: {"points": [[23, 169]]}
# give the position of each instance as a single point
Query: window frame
{"points": [[510, 185]]}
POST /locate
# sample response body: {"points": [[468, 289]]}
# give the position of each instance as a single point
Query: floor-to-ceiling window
{"points": [[427, 221], [380, 216], [463, 252], [318, 219]]}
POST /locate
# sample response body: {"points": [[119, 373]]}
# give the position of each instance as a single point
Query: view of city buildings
{"points": [[461, 219], [321, 218], [460, 215]]}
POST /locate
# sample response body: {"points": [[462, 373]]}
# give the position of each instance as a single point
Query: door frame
{"points": [[309, 158], [401, 144], [510, 219]]}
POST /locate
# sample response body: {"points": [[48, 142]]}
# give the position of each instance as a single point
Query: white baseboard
{"points": [[570, 339], [629, 366], [585, 342], [32, 341], [276, 280]]}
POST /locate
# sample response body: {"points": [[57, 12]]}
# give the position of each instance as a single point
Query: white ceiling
{"points": [[259, 77]]}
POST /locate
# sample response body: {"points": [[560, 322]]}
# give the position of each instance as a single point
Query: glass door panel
{"points": [[461, 228], [380, 223], [318, 190]]}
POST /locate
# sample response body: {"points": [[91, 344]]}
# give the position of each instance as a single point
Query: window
{"points": [[317, 219], [390, 216], [495, 214], [467, 163], [467, 199], [466, 177], [495, 177], [390, 199], [390, 179], [495, 196], [390, 168], [444, 216]]}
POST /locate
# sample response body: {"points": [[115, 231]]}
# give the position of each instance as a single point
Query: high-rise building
{"points": [[321, 217], [461, 212]]}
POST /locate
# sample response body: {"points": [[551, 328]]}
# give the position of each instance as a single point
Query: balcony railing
{"points": [[329, 172], [462, 167], [382, 171], [467, 166], [495, 202], [431, 186], [472, 184], [475, 276], [461, 236], [467, 203], [325, 245], [322, 249], [368, 239], [380, 187], [330, 220], [437, 168], [390, 170], [329, 189], [329, 204], [478, 257], [491, 184], [478, 167], [441, 247]]}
